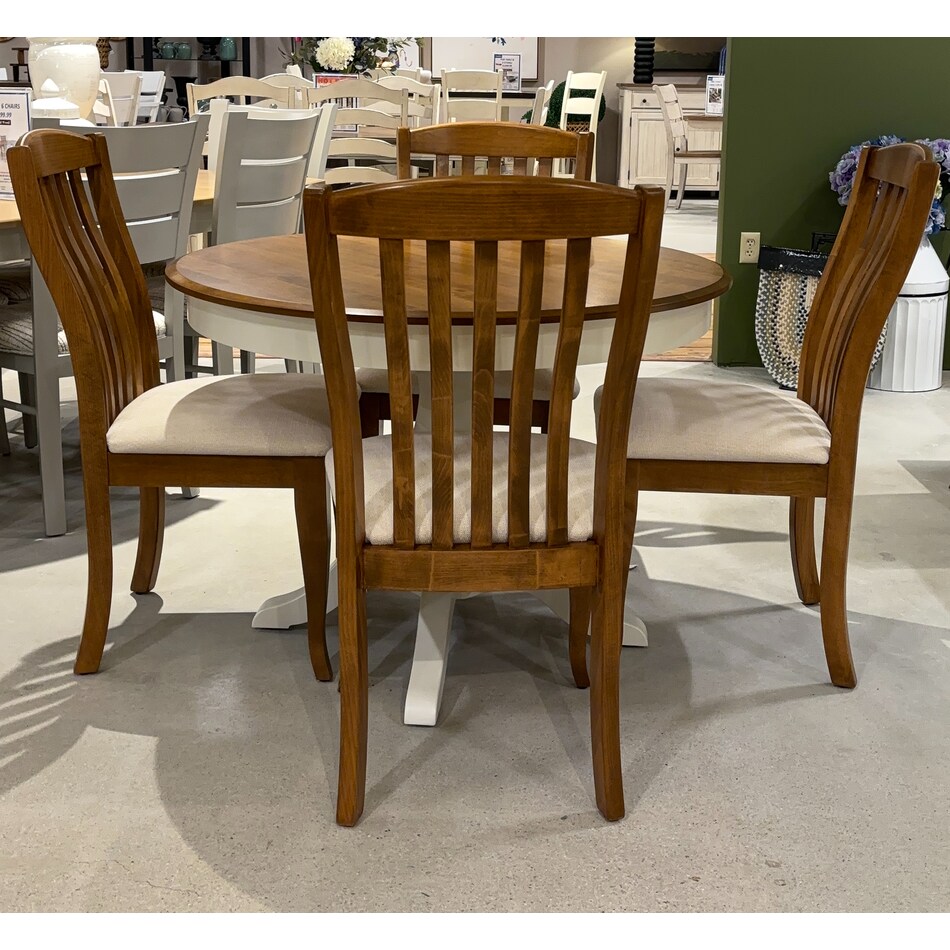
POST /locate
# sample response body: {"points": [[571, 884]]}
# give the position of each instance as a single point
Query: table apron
{"points": [[296, 337]]}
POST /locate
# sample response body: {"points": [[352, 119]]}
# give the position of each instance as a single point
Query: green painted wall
{"points": [[793, 107]]}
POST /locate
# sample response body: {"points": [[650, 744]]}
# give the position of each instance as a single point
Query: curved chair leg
{"points": [[151, 535], [99, 586], [577, 638], [833, 588], [801, 535], [668, 188], [681, 186], [354, 699], [310, 506]]}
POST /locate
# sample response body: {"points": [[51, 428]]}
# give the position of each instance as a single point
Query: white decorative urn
{"points": [[72, 62], [912, 358]]}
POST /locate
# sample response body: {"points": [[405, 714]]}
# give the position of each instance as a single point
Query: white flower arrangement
{"points": [[335, 53]]}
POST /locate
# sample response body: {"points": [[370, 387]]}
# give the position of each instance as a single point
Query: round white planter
{"points": [[912, 358]]}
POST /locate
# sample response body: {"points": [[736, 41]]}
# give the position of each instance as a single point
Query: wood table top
{"points": [[269, 275]]}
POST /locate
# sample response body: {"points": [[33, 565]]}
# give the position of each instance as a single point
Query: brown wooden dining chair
{"points": [[236, 431], [526, 150], [482, 510], [709, 435]]}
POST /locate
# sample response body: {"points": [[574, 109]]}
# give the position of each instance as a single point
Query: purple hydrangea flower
{"points": [[841, 177]]}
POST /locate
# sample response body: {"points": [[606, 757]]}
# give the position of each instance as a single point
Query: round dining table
{"points": [[256, 295]]}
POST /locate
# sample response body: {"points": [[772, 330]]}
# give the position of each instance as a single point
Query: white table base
{"points": [[433, 631]]}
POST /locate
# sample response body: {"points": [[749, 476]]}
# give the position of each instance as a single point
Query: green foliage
{"points": [[556, 102]]}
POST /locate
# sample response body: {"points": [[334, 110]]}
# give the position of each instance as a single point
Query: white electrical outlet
{"points": [[749, 247]]}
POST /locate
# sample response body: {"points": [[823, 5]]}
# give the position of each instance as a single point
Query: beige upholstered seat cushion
{"points": [[263, 414], [720, 421], [377, 381], [377, 478]]}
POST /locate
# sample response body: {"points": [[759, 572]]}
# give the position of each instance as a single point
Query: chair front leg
{"points": [[354, 695]]}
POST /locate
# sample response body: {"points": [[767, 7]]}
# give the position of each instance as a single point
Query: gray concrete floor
{"points": [[197, 771]]}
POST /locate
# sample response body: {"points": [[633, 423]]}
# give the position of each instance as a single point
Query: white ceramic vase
{"points": [[72, 62], [912, 358]]}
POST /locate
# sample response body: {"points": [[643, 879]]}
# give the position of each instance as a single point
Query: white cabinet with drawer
{"points": [[643, 138]]}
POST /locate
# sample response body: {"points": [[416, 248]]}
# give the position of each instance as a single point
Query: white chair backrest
{"points": [[151, 93], [156, 167], [539, 111], [290, 81], [673, 118], [241, 88], [416, 72], [583, 106], [260, 171], [321, 141], [484, 108], [294, 70], [119, 93], [423, 99], [361, 94]]}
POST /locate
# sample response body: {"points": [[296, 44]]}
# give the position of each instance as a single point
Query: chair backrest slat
{"points": [[441, 380], [525, 358], [882, 228], [484, 321], [392, 275]]}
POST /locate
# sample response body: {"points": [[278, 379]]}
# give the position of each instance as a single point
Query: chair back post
{"points": [[882, 229], [673, 119], [81, 243]]}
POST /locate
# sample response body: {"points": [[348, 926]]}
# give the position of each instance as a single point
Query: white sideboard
{"points": [[643, 145]]}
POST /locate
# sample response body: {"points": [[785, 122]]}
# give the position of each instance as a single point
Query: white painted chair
{"points": [[242, 88], [539, 111], [290, 81], [118, 99], [678, 153], [483, 108], [261, 161], [583, 110], [152, 93], [424, 99], [155, 168], [363, 131]]}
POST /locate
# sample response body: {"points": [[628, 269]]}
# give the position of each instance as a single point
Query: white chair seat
{"points": [[377, 478], [377, 381], [263, 414], [719, 421], [16, 330]]}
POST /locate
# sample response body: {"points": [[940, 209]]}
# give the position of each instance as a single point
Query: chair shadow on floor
{"points": [[246, 740]]}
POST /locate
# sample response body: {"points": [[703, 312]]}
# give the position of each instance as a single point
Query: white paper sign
{"points": [[510, 66], [14, 122], [714, 93]]}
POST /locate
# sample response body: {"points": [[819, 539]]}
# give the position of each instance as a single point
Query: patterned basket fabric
{"points": [[788, 280]]}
